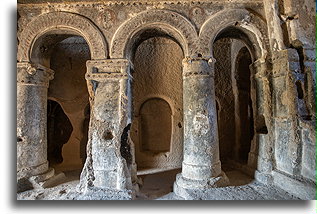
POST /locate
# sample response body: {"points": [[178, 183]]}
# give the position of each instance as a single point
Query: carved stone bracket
{"points": [[36, 75]]}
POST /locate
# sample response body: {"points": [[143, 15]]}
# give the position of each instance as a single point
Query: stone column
{"points": [[261, 152], [106, 167], [32, 86], [201, 166]]}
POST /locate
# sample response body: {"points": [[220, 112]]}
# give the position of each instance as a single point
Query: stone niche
{"points": [[155, 126], [157, 130]]}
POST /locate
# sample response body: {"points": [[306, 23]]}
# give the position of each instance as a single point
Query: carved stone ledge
{"points": [[103, 70], [35, 75]]}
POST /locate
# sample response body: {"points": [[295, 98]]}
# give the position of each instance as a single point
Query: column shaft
{"points": [[201, 145], [201, 166], [32, 85], [261, 153]]}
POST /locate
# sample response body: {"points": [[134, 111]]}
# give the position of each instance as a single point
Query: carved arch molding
{"points": [[249, 23], [174, 24], [61, 20], [193, 42]]}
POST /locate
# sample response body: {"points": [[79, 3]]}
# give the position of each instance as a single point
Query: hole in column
{"points": [[125, 148], [156, 129], [108, 135], [301, 102]]}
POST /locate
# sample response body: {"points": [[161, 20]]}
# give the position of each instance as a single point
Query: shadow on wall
{"points": [[59, 130]]}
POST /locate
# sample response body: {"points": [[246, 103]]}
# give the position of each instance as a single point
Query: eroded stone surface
{"points": [[279, 98]]}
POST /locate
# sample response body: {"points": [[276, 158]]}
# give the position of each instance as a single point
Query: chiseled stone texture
{"points": [[55, 37]]}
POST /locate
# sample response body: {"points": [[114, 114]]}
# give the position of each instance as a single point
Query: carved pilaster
{"points": [[109, 85], [271, 8], [287, 85]]}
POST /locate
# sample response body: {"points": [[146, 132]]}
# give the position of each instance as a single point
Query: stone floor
{"points": [[159, 186]]}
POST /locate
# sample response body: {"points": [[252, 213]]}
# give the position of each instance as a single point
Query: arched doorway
{"points": [[141, 30], [68, 99], [157, 129], [37, 41], [233, 92]]}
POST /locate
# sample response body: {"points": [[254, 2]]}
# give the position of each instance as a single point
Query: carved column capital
{"points": [[261, 68], [108, 69], [198, 66], [35, 75]]}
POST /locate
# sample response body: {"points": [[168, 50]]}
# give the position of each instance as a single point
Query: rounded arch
{"points": [[63, 21], [237, 20], [171, 23], [168, 100]]}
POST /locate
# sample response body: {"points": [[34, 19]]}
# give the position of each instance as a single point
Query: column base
{"points": [[35, 182], [96, 193], [300, 187], [264, 178], [184, 187]]}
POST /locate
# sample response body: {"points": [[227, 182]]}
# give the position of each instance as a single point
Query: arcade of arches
{"points": [[166, 100]]}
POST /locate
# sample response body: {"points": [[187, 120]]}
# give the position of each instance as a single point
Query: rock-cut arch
{"points": [[64, 21], [250, 24], [173, 24]]}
